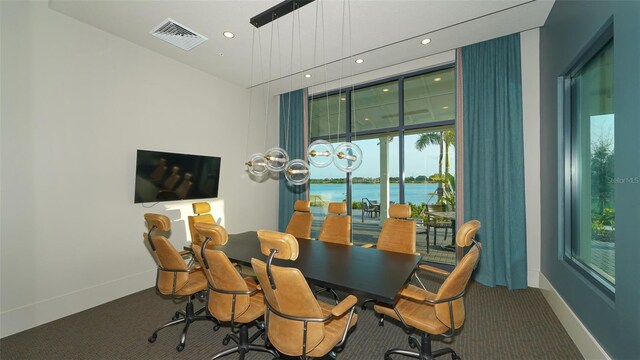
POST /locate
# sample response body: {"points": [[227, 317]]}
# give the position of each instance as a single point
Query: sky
{"points": [[416, 162]]}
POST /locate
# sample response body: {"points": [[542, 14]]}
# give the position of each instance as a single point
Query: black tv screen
{"points": [[163, 176]]}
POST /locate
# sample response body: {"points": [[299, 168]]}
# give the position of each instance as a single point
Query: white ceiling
{"points": [[382, 32]]}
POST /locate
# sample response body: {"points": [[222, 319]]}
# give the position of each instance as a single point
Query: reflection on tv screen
{"points": [[163, 176]]}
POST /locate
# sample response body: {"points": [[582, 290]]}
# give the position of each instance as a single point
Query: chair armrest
{"points": [[344, 305], [433, 269], [185, 252], [413, 294], [368, 246]]}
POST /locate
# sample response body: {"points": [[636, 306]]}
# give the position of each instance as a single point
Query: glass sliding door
{"points": [[429, 186], [374, 185]]}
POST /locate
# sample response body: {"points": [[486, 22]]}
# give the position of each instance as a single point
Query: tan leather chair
{"points": [[438, 313], [174, 277], [297, 324], [202, 211], [336, 228], [398, 233], [232, 298], [301, 220]]}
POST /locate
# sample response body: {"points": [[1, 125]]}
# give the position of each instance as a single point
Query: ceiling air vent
{"points": [[178, 35]]}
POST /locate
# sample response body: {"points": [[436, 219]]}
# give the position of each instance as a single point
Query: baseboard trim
{"points": [[586, 343], [28, 316], [533, 278]]}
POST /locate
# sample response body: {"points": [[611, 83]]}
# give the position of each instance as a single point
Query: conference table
{"points": [[374, 274]]}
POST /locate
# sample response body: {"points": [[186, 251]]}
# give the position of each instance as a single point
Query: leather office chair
{"points": [[398, 233], [436, 314], [202, 211], [336, 228], [174, 277], [232, 299], [301, 220], [297, 324]]}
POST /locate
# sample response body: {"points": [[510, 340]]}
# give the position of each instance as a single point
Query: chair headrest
{"points": [[302, 205], [201, 207], [187, 176], [337, 208], [286, 244], [400, 211], [467, 232], [161, 222], [215, 232]]}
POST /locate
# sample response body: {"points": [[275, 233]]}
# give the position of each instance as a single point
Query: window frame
{"points": [[400, 129], [567, 159]]}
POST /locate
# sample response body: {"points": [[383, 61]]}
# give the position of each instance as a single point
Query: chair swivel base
{"points": [[187, 317], [244, 344], [424, 347]]}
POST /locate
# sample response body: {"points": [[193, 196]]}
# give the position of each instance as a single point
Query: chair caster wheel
{"points": [[176, 316], [455, 356], [216, 327], [180, 347], [226, 340], [153, 338]]}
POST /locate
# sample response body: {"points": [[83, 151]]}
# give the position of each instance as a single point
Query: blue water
{"points": [[413, 193]]}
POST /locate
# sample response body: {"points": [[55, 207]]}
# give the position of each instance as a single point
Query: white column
{"points": [[384, 178]]}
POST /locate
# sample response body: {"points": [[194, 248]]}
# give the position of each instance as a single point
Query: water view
{"points": [[413, 193]]}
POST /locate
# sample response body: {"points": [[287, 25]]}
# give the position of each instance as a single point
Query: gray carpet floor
{"points": [[500, 324]]}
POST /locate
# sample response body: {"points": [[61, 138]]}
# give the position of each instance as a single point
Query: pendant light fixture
{"points": [[345, 156], [276, 159]]}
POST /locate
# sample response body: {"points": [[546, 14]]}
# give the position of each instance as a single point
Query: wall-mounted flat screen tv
{"points": [[164, 176]]}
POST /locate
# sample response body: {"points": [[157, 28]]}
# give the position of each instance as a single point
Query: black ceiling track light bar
{"points": [[277, 12]]}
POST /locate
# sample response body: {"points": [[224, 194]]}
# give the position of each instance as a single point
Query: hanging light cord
{"points": [[341, 69], [354, 121], [315, 48], [268, 99], [253, 40], [286, 130], [326, 89]]}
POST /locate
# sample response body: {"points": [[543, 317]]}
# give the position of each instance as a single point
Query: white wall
{"points": [[76, 103], [530, 62]]}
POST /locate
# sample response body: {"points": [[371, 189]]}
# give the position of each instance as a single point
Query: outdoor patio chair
{"points": [[436, 222], [370, 208]]}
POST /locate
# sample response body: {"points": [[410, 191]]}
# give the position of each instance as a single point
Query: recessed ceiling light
{"points": [[445, 107], [437, 79], [425, 41], [359, 61], [343, 98], [307, 75], [228, 34], [385, 90]]}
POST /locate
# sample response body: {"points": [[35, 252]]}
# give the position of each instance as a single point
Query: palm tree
{"points": [[445, 139], [431, 138]]}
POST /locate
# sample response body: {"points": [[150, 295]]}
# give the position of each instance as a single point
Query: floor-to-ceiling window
{"points": [[405, 127], [590, 207]]}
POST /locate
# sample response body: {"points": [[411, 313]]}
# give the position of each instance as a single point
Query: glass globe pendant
{"points": [[297, 172], [276, 159], [257, 165], [320, 153], [347, 157]]}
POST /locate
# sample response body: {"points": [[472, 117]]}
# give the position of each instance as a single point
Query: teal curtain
{"points": [[493, 160], [292, 139]]}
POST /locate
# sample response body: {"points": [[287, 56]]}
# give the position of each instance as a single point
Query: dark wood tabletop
{"points": [[376, 274]]}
